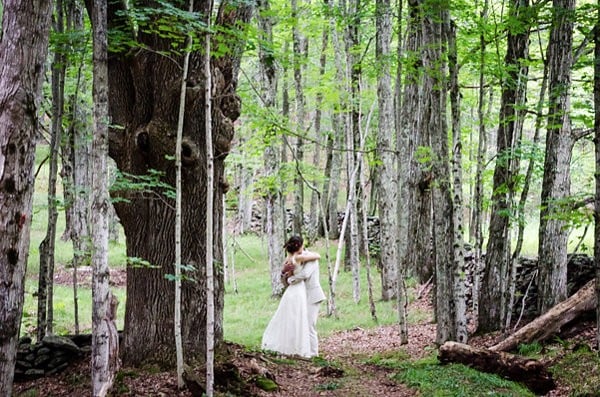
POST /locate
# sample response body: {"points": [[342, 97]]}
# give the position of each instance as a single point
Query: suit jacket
{"points": [[309, 272]]}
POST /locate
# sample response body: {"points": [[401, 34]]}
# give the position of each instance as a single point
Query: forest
{"points": [[441, 156]]}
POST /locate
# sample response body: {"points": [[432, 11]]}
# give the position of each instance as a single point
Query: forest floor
{"points": [[344, 370]]}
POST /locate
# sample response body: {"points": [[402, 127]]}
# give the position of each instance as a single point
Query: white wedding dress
{"points": [[288, 331]]}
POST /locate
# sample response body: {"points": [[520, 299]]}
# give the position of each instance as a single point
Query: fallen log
{"points": [[551, 322], [532, 373]]}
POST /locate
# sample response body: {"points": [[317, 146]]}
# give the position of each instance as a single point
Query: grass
{"points": [[254, 296], [454, 380], [249, 307], [580, 370]]}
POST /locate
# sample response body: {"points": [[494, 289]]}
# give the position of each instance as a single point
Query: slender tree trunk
{"points": [[556, 184], [475, 227], [178, 189], [597, 178], [21, 74], [105, 349], [210, 229], [459, 270], [385, 170], [530, 167], [492, 301], [275, 222], [402, 154], [76, 152], [46, 249], [300, 52], [316, 202], [339, 126]]}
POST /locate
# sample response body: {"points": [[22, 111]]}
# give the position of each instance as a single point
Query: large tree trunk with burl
{"points": [[144, 89]]}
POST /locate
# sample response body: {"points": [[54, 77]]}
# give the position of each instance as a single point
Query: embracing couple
{"points": [[293, 328]]}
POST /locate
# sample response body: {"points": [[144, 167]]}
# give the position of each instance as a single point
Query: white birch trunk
{"points": [[178, 189], [597, 176], [458, 274], [105, 342], [210, 280]]}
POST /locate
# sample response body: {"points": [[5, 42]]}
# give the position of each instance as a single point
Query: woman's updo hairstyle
{"points": [[293, 244]]}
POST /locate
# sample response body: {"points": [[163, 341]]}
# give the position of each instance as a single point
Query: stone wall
{"points": [[53, 354]]}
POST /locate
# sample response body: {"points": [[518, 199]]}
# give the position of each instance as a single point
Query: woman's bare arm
{"points": [[307, 256]]}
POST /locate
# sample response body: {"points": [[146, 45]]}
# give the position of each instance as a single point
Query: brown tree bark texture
{"points": [[530, 372], [550, 322]]}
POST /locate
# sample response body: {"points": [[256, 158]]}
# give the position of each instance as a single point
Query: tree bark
{"points": [[275, 222], [144, 88], [402, 213], [21, 74], [103, 352], [556, 184], [76, 152], [299, 58], [386, 165], [530, 372], [597, 177], [552, 321], [458, 266], [493, 298], [417, 185], [45, 315]]}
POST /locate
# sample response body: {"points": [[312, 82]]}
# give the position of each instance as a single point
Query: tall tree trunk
{"points": [[144, 103], [275, 222], [105, 348], [434, 83], [46, 271], [458, 266], [492, 301], [530, 166], [475, 227], [76, 152], [316, 201], [385, 170], [21, 74], [177, 237], [597, 178], [339, 126], [351, 114], [299, 57], [210, 218], [556, 184], [415, 115], [402, 154]]}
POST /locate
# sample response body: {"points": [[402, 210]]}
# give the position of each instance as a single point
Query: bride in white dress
{"points": [[288, 330]]}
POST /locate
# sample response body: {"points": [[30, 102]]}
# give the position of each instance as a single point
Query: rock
{"points": [[59, 342]]}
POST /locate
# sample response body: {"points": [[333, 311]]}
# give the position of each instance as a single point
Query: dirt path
{"points": [[348, 350]]}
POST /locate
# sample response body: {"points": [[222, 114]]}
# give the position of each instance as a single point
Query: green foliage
{"points": [[432, 379], [328, 386], [152, 184], [184, 268], [168, 20], [530, 349], [580, 370]]}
